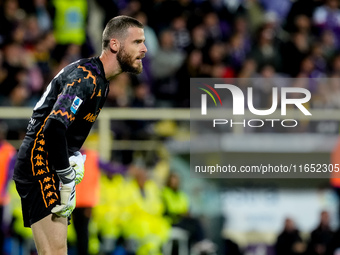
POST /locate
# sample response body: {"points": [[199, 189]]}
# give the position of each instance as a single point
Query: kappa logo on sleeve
{"points": [[75, 105]]}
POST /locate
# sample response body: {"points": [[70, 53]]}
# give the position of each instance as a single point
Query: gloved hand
{"points": [[77, 161], [67, 200], [67, 192]]}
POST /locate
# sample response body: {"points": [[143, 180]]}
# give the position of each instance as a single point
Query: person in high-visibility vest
{"points": [[7, 160], [176, 204], [335, 175], [334, 246], [107, 213], [70, 21], [143, 222], [86, 199]]}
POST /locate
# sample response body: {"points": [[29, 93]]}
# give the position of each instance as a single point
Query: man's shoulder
{"points": [[86, 71], [90, 66], [75, 66]]}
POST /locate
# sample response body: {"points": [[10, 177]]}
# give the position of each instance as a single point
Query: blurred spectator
{"points": [[87, 198], [20, 239], [327, 17], [3, 76], [335, 65], [7, 159], [214, 65], [308, 70], [265, 52], [18, 34], [199, 39], [14, 55], [321, 236], [215, 29], [131, 8], [328, 45], [176, 205], [164, 67], [302, 24], [9, 18], [176, 202], [317, 56], [72, 54], [161, 13], [17, 97], [238, 51], [263, 87], [70, 21], [300, 7], [44, 15], [249, 68], [335, 179], [142, 98], [333, 92], [334, 246], [271, 22], [293, 52], [254, 14], [239, 43], [231, 248], [143, 221], [279, 8], [42, 56], [190, 68], [107, 214], [180, 31], [289, 241], [32, 30], [109, 9]]}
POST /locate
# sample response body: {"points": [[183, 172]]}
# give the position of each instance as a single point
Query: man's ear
{"points": [[114, 45]]}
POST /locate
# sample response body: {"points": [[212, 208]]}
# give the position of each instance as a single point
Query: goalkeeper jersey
{"points": [[75, 98]]}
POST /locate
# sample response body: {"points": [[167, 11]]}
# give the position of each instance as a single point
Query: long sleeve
{"points": [[55, 136]]}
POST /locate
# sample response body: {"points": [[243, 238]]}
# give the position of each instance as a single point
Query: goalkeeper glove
{"points": [[77, 162], [67, 192]]}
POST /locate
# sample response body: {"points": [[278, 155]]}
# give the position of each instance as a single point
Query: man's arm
{"points": [[55, 137]]}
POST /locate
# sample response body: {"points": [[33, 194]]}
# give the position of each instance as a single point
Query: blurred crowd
{"points": [[185, 39], [322, 239]]}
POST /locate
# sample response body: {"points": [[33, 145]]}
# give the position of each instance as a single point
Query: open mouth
{"points": [[141, 56]]}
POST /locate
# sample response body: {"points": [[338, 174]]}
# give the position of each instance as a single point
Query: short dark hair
{"points": [[117, 27]]}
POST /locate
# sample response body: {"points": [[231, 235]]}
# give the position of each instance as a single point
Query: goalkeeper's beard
{"points": [[126, 62]]}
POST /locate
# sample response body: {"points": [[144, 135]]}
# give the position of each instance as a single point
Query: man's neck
{"points": [[110, 64]]}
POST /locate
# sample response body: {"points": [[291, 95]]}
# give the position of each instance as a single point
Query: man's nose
{"points": [[144, 49]]}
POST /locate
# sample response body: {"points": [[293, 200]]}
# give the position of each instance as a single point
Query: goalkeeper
{"points": [[49, 163]]}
